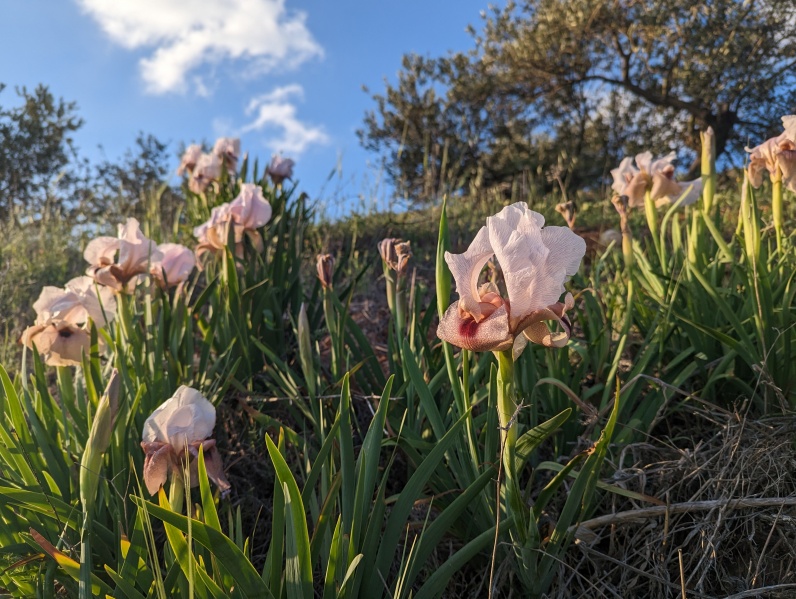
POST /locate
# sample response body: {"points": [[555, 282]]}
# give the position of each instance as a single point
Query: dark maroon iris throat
{"points": [[468, 328]]}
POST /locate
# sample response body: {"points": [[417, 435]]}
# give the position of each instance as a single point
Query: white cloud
{"points": [[275, 111], [187, 35]]}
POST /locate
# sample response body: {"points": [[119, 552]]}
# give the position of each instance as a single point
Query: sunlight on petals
{"points": [[80, 299], [228, 151], [135, 253], [466, 268], [59, 343], [176, 429], [250, 209], [189, 159], [535, 260], [175, 266], [206, 170], [245, 215], [653, 176]]}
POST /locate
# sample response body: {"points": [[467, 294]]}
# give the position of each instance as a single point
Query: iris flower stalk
{"points": [[536, 261]]}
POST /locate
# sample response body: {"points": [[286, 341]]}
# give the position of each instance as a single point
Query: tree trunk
{"points": [[723, 123]]}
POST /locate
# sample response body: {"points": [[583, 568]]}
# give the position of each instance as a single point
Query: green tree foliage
{"points": [[135, 185], [50, 196], [571, 85], [35, 149]]}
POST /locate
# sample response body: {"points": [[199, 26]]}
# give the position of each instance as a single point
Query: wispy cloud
{"points": [[186, 36], [275, 112]]}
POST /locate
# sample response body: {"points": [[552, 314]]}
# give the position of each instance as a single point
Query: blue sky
{"points": [[281, 74]]}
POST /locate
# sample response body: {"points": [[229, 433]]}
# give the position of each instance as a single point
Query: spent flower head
{"points": [[324, 265], [395, 253], [568, 210]]}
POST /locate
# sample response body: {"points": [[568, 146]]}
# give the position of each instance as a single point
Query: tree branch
{"points": [[682, 508]]}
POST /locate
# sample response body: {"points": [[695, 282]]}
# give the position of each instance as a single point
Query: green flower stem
{"points": [[472, 445], [389, 278], [125, 316], [331, 325], [400, 303], [708, 163], [776, 208], [511, 498], [627, 242], [506, 406], [652, 222], [749, 220], [177, 493], [699, 241]]}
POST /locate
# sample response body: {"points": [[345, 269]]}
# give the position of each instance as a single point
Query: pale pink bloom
{"points": [[250, 210], [212, 235], [763, 158], [630, 181], [665, 189], [173, 433], [776, 155], [60, 343], [175, 266], [655, 177], [189, 159], [135, 253], [535, 262], [228, 150], [245, 214], [280, 169], [207, 170], [80, 299], [688, 193]]}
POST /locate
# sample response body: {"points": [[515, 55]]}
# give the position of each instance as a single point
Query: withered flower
{"points": [[395, 253], [568, 210], [325, 267]]}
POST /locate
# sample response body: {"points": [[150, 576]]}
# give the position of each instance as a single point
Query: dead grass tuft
{"points": [[728, 528]]}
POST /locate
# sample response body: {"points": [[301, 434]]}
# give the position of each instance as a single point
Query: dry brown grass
{"points": [[729, 529]]}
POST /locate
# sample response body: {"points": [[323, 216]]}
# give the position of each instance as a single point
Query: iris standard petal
{"points": [[184, 418], [466, 269]]}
